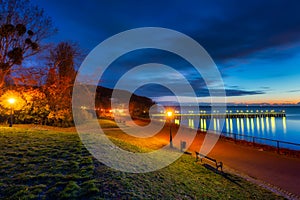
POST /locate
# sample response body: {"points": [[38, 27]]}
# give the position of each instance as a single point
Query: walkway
{"points": [[278, 170]]}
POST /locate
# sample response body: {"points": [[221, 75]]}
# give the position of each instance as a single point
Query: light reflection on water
{"points": [[267, 124], [231, 126], [261, 127], [273, 124], [284, 124], [248, 125], [191, 123], [237, 125], [242, 125], [276, 128], [252, 125], [257, 124]]}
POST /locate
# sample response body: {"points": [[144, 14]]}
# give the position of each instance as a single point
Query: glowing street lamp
{"points": [[170, 115], [11, 101]]}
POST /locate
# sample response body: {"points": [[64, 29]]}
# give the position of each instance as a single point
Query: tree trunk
{"points": [[2, 80]]}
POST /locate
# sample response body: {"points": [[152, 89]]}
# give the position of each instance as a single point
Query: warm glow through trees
{"points": [[11, 99]]}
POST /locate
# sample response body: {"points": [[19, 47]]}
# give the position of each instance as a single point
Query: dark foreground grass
{"points": [[41, 164]]}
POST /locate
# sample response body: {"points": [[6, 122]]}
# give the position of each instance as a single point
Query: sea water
{"points": [[284, 129]]}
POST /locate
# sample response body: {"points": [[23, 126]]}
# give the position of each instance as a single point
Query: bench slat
{"points": [[201, 156]]}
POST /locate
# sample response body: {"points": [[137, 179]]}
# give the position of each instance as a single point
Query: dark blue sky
{"points": [[255, 44]]}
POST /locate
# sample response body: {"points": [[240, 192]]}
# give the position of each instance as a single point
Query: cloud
{"points": [[242, 92], [250, 27], [292, 91], [227, 29], [232, 31], [157, 91], [130, 60], [169, 98], [265, 87]]}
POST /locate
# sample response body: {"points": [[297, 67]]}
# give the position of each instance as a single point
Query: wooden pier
{"points": [[228, 115], [236, 115]]}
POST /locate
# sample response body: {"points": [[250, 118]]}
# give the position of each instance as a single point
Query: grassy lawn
{"points": [[53, 164]]}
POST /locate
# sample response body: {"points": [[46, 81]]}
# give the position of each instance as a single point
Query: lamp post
{"points": [[11, 101], [170, 115]]}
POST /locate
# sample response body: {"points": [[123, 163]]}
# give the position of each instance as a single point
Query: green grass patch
{"points": [[42, 164]]}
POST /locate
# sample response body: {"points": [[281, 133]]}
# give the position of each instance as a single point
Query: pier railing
{"points": [[227, 114], [265, 141], [236, 115]]}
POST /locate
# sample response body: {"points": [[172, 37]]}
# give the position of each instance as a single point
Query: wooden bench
{"points": [[217, 164]]}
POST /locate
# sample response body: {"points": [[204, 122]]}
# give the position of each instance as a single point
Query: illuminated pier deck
{"points": [[228, 114]]}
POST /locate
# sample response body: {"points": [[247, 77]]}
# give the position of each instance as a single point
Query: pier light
{"points": [[226, 111], [237, 111], [262, 111], [230, 111], [251, 111], [247, 110]]}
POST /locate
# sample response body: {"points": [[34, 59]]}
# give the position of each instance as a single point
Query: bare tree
{"points": [[63, 57], [60, 79], [22, 27]]}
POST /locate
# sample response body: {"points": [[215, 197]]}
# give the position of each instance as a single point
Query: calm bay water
{"points": [[276, 128]]}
